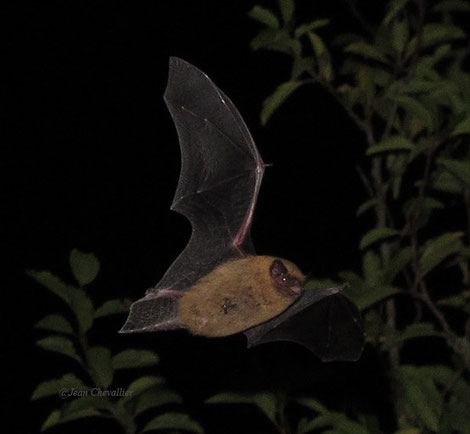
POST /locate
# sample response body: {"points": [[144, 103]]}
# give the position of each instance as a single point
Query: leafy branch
{"points": [[91, 388], [403, 83]]}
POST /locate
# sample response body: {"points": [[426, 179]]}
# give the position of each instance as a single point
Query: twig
{"points": [[452, 339], [466, 198], [452, 382], [356, 14], [332, 91], [127, 425], [283, 426], [365, 181]]}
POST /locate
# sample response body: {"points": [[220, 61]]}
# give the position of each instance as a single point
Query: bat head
{"points": [[287, 278]]}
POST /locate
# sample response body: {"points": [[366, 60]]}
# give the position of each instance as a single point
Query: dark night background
{"points": [[92, 162]]}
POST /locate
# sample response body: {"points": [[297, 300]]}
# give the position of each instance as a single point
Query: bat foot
{"points": [[164, 292]]}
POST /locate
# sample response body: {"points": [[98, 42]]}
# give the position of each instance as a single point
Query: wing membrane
{"points": [[221, 171]]}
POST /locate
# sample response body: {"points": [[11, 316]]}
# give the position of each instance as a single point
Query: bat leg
{"points": [[156, 311], [164, 292]]}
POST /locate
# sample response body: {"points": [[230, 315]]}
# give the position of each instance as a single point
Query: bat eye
{"points": [[284, 282]]}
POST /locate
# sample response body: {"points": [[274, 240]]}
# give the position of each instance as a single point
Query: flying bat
{"points": [[218, 286]]}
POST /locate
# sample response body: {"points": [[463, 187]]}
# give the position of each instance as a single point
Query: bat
{"points": [[218, 286]]}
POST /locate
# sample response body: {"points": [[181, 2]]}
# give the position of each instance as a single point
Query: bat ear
{"points": [[152, 313], [278, 268]]}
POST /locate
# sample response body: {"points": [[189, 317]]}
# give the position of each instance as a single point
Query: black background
{"points": [[92, 162]]}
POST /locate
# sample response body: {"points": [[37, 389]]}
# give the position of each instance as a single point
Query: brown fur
{"points": [[235, 296]]}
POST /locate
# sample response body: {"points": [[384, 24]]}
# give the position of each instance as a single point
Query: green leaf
{"points": [[438, 249], [365, 50], [424, 206], [143, 384], [57, 417], [313, 404], [415, 108], [264, 39], [367, 205], [310, 27], [458, 301], [365, 83], [452, 6], [425, 68], [85, 266], [397, 263], [83, 308], [419, 85], [265, 401], [411, 331], [372, 268], [400, 34], [376, 235], [134, 359], [112, 307], [322, 56], [155, 398], [394, 9], [287, 8], [52, 419], [272, 103], [460, 169], [346, 425], [53, 387], [55, 323], [351, 278], [350, 94], [307, 426], [60, 345], [301, 65], [422, 398], [409, 431], [396, 163], [53, 284], [457, 413], [438, 33], [339, 421], [391, 144], [88, 402], [276, 40], [366, 296], [100, 361], [462, 127], [445, 181], [177, 421], [264, 16]]}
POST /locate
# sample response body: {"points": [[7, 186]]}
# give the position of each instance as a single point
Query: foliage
{"points": [[93, 387], [403, 83]]}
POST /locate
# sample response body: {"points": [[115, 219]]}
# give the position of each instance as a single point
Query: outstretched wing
{"points": [[221, 172], [324, 321]]}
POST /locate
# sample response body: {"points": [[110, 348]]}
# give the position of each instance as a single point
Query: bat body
{"points": [[218, 286], [238, 295]]}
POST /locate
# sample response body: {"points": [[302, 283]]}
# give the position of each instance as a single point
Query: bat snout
{"points": [[297, 288]]}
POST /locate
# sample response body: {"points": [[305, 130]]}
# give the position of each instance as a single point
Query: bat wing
{"points": [[325, 321], [221, 172]]}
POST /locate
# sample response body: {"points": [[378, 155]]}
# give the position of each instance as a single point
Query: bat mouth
{"points": [[291, 289], [296, 289]]}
